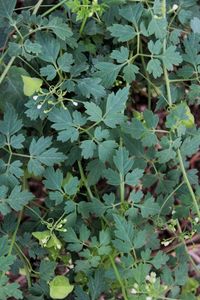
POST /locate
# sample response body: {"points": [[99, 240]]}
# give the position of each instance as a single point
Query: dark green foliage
{"points": [[97, 102]]}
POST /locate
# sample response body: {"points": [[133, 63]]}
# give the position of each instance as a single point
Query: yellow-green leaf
{"points": [[31, 85], [60, 287]]}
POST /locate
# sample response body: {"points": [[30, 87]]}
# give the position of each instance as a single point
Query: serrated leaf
{"points": [[108, 72], [10, 124], [114, 107], [154, 67], [41, 154], [49, 72], [129, 72], [171, 57], [106, 150], [60, 28], [91, 87], [132, 12], [149, 208], [65, 61], [123, 33], [50, 47], [120, 55], [88, 147], [134, 177], [94, 111], [7, 8]]}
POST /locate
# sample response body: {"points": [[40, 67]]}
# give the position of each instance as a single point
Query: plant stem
{"points": [[3, 75], [118, 277], [15, 232], [83, 25], [53, 8], [84, 180], [188, 183], [37, 6]]}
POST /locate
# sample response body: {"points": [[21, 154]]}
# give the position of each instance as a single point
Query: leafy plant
{"points": [[99, 132]]}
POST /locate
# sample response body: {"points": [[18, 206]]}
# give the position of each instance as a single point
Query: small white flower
{"points": [[75, 103], [133, 291], [35, 98], [148, 278], [39, 106], [175, 7], [136, 286], [148, 298], [196, 220], [166, 243]]}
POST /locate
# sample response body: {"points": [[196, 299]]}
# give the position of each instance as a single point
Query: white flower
{"points": [[35, 98], [148, 298], [133, 291], [75, 103], [196, 220], [39, 106], [166, 243], [175, 7], [148, 278]]}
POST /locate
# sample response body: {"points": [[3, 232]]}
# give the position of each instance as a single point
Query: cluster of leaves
{"points": [[96, 100]]}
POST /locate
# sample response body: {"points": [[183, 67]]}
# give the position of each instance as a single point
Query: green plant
{"points": [[98, 103]]}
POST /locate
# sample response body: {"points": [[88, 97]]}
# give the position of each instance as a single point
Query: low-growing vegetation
{"points": [[99, 149]]}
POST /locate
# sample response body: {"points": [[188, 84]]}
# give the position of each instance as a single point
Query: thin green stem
{"points": [[15, 232], [84, 180], [188, 183], [37, 6], [50, 10], [170, 195], [83, 25], [117, 274], [3, 75]]}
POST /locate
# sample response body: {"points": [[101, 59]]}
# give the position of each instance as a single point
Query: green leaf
{"points": [[50, 47], [154, 67], [31, 85], [149, 208], [53, 179], [120, 55], [91, 87], [106, 150], [60, 28], [41, 154], [94, 112], [115, 107], [171, 57], [112, 177], [134, 177], [155, 48], [63, 123], [15, 200], [123, 33], [132, 12], [130, 72], [124, 234], [65, 62], [8, 290], [71, 187], [60, 287], [7, 8], [108, 72], [10, 124], [158, 27], [159, 260], [49, 71], [88, 147], [47, 269], [31, 47], [195, 25], [122, 161]]}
